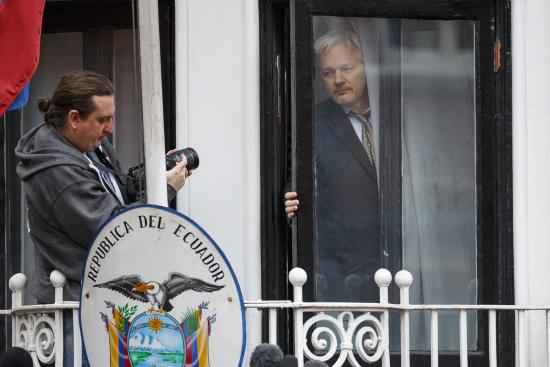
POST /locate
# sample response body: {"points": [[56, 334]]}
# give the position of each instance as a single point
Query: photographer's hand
{"points": [[177, 175]]}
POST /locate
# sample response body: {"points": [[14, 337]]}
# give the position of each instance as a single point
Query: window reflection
{"points": [[436, 104], [346, 198]]}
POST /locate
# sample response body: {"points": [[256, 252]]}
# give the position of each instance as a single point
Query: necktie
{"points": [[367, 137]]}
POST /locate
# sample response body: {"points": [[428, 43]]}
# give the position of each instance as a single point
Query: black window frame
{"points": [[493, 134], [275, 157]]}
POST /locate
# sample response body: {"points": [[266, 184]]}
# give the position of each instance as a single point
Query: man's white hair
{"points": [[337, 37]]}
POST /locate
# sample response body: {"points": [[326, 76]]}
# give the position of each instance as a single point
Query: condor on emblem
{"points": [[158, 291]]}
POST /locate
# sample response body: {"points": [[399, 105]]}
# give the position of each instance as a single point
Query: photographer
{"points": [[72, 181]]}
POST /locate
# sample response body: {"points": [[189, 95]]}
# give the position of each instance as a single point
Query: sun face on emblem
{"points": [[155, 324]]}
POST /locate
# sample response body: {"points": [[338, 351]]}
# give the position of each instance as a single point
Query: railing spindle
{"points": [[463, 338], [435, 339], [383, 277], [58, 281], [58, 335], [273, 326], [521, 339], [404, 280], [548, 338], [77, 341], [298, 278], [16, 283], [492, 338]]}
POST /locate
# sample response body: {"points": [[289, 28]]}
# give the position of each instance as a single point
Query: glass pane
{"points": [[373, 74], [439, 155], [127, 130], [346, 204]]}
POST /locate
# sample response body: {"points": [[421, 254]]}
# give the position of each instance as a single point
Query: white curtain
{"points": [[438, 162], [439, 185]]}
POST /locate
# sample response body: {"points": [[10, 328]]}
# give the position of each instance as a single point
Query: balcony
{"points": [[337, 333]]}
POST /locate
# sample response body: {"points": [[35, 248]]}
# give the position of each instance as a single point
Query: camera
{"points": [[174, 158]]}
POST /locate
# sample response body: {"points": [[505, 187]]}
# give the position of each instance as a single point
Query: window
{"points": [[353, 149], [401, 159]]}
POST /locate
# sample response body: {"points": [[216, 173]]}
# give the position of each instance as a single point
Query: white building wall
{"points": [[218, 114], [531, 161], [217, 101]]}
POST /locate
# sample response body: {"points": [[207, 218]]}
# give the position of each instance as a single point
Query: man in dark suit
{"points": [[347, 205]]}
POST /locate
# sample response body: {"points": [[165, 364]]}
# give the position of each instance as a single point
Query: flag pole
{"points": [[151, 97]]}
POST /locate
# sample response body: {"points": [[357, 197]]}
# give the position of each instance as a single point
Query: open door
{"points": [[399, 160]]}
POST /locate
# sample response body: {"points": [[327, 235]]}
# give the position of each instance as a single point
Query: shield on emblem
{"points": [[158, 291]]}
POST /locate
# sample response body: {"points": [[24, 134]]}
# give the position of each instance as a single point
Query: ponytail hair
{"points": [[74, 92]]}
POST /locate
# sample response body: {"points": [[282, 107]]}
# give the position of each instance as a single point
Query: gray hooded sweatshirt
{"points": [[67, 203]]}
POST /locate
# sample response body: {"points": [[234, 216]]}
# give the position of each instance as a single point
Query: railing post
{"points": [[273, 326], [17, 284], [548, 338], [493, 338], [383, 278], [404, 280], [434, 335], [58, 281], [463, 328], [298, 278], [77, 341], [522, 344]]}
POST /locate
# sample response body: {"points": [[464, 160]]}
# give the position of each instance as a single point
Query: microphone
{"points": [[289, 361], [266, 355], [313, 363]]}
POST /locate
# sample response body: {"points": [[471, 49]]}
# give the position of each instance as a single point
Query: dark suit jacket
{"points": [[346, 209]]}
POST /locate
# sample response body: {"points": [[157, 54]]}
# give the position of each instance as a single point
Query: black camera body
{"points": [[174, 158]]}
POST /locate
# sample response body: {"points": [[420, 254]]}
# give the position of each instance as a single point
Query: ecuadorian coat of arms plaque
{"points": [[157, 291]]}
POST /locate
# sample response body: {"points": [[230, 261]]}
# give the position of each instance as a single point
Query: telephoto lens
{"points": [[174, 158]]}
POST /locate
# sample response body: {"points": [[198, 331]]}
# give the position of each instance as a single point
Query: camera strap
{"points": [[103, 164]]}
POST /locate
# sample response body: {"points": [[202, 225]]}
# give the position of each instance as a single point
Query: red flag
{"points": [[20, 26]]}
